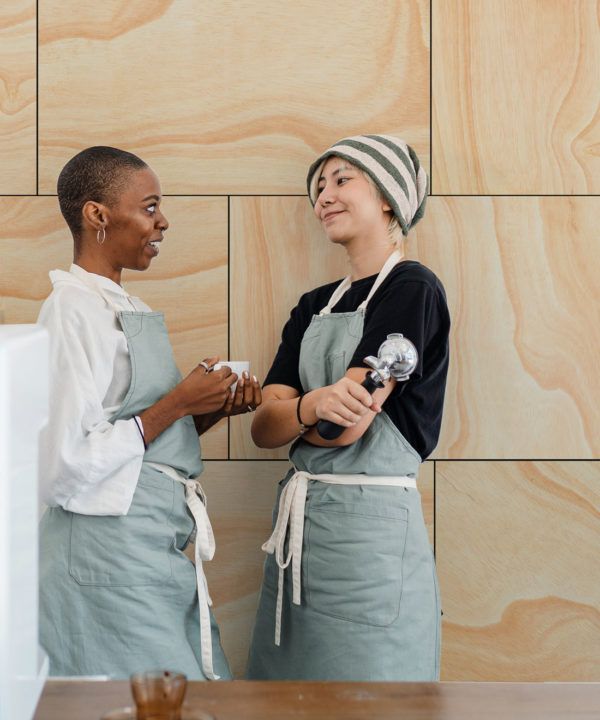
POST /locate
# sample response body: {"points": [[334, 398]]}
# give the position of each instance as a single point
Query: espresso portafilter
{"points": [[396, 358]]}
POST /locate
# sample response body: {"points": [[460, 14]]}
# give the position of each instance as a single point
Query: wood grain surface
{"points": [[521, 276], [517, 557], [18, 97], [241, 496], [341, 701], [515, 97], [229, 97]]}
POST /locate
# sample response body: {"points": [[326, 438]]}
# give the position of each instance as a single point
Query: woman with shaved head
{"points": [[121, 455]]}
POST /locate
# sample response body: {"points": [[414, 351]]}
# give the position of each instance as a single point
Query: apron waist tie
{"points": [[291, 514], [204, 549]]}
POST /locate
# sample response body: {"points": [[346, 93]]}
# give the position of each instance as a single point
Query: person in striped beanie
{"points": [[349, 590], [391, 164]]}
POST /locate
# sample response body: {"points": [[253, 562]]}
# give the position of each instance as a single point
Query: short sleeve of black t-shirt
{"points": [[411, 301]]}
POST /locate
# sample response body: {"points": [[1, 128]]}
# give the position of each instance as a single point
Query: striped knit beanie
{"points": [[391, 163]]}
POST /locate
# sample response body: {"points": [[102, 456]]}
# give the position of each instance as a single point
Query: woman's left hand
{"points": [[246, 397]]}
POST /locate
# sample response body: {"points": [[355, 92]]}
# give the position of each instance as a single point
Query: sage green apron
{"points": [[368, 607], [117, 593]]}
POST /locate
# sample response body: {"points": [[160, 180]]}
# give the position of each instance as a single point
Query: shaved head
{"points": [[97, 173]]}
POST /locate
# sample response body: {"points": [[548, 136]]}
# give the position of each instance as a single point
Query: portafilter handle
{"points": [[396, 358]]}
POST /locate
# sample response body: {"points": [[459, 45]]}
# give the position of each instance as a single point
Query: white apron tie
{"points": [[291, 514], [204, 549]]}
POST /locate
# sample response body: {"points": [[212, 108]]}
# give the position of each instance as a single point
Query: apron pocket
{"points": [[353, 561], [132, 549]]}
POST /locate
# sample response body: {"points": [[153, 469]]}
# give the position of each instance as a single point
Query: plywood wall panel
{"points": [[241, 496], [521, 275], [18, 97], [188, 281], [518, 564], [515, 97], [229, 97], [426, 487], [33, 240]]}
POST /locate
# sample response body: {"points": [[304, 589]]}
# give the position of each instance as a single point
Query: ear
{"points": [[385, 206], [95, 214]]}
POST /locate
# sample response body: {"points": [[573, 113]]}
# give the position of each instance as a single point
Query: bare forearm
{"points": [[201, 393], [310, 417], [157, 418], [350, 434], [346, 403], [275, 423]]}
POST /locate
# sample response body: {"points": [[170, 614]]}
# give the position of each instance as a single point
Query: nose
{"points": [[161, 221], [327, 195]]}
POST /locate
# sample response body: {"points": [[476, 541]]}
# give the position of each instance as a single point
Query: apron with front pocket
{"points": [[350, 589], [117, 593]]}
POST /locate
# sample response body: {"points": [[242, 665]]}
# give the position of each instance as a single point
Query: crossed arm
{"points": [[345, 402]]}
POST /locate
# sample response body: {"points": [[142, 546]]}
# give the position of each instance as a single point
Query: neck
{"points": [[97, 263], [366, 260]]}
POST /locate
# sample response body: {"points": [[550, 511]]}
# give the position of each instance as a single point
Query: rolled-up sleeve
{"points": [[88, 464]]}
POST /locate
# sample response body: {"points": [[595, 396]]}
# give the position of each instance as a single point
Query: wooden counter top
{"points": [[239, 700]]}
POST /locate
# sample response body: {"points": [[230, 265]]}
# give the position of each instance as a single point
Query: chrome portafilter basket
{"points": [[396, 358]]}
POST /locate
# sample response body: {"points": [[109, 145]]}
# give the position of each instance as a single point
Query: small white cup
{"points": [[237, 366]]}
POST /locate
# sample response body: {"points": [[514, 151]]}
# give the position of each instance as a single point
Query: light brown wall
{"points": [[230, 103]]}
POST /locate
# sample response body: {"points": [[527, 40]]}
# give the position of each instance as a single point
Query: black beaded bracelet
{"points": [[303, 427]]}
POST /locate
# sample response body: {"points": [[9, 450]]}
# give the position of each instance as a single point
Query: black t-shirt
{"points": [[412, 301]]}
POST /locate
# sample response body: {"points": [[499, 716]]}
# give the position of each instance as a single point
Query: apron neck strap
{"points": [[337, 294], [389, 265]]}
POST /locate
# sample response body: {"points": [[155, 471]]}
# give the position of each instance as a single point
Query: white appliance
{"points": [[23, 413]]}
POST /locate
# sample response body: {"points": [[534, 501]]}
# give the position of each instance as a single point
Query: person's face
{"points": [[347, 205], [135, 223]]}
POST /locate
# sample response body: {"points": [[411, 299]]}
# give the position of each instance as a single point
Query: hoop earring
{"points": [[101, 242]]}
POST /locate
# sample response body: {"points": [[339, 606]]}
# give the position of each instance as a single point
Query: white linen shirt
{"points": [[88, 464]]}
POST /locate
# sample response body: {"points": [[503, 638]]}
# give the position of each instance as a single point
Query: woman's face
{"points": [[348, 205], [135, 223]]}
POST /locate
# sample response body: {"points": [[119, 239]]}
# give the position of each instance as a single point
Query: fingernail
{"points": [[246, 375], [255, 378]]}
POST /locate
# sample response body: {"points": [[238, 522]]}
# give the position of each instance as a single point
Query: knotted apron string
{"points": [[204, 550]]}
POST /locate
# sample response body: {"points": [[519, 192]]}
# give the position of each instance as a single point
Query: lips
{"points": [[330, 215], [153, 245]]}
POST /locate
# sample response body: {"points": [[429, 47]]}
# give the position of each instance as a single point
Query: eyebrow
{"points": [[152, 197], [335, 172]]}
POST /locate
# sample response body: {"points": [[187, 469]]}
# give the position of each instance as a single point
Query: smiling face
{"points": [[134, 223], [348, 205]]}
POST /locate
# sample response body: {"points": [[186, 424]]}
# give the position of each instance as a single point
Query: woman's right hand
{"points": [[202, 392], [344, 403]]}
